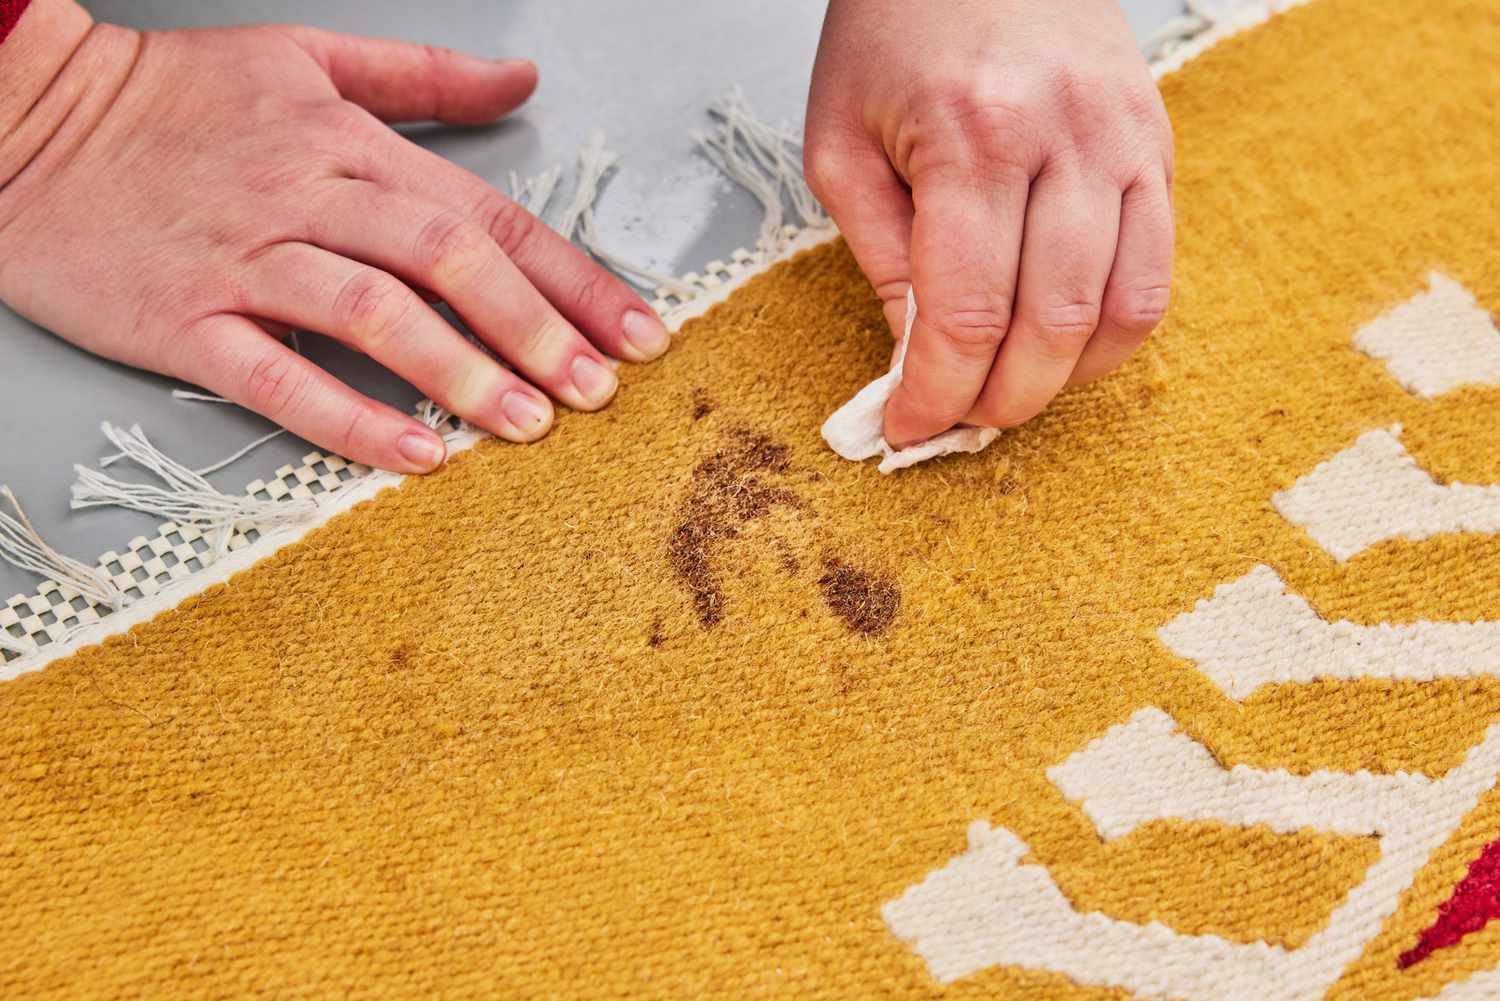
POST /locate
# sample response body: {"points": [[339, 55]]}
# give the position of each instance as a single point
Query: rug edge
{"points": [[1240, 19]]}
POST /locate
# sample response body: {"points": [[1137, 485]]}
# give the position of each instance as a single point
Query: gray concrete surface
{"points": [[641, 69]]}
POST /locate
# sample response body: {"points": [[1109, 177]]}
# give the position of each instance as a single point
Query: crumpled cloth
{"points": [[856, 430]]}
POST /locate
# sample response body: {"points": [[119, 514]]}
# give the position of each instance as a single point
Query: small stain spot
{"points": [[702, 405], [867, 604], [657, 638], [400, 656]]}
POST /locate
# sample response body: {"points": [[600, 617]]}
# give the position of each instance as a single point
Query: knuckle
{"points": [[346, 438], [823, 166], [991, 117], [1063, 327], [274, 384], [591, 287], [451, 250], [542, 340], [371, 308], [976, 324], [510, 226]]}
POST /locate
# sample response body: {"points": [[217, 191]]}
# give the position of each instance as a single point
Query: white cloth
{"points": [[856, 430]]}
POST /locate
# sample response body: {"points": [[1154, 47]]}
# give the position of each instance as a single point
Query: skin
{"points": [[178, 201], [1011, 162]]}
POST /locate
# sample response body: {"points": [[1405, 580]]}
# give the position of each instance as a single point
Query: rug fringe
{"points": [[763, 160], [595, 161], [22, 546], [187, 498], [535, 193]]}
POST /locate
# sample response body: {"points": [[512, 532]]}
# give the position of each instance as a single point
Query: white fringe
{"points": [[236, 457], [21, 546], [595, 161], [185, 394], [435, 417], [1198, 18], [535, 193], [187, 497], [763, 160]]}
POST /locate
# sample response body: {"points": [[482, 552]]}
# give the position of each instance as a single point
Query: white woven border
{"points": [[161, 571]]}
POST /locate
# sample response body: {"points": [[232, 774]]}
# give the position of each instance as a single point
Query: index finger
{"points": [[966, 242]]}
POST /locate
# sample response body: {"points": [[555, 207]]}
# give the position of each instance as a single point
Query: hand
{"points": [[1011, 160], [174, 199]]}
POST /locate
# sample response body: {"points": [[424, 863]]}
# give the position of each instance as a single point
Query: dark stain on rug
{"points": [[702, 404], [730, 489], [866, 603]]}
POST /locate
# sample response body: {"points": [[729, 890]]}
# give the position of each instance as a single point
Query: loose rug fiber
{"points": [[1189, 689]]}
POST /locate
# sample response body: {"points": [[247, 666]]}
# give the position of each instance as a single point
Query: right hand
{"points": [[172, 200]]}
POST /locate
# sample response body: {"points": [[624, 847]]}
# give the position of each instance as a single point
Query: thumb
{"points": [[403, 82]]}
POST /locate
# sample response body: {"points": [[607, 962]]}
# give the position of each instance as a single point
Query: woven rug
{"points": [[1188, 690]]}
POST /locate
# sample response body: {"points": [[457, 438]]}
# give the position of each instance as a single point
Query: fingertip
{"points": [[646, 337], [516, 80], [904, 423], [521, 71], [423, 451], [528, 416]]}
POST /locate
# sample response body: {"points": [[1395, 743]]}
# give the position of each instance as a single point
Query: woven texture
{"points": [[1189, 689]]}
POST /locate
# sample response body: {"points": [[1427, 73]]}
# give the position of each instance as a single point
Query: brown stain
{"points": [[703, 405], [657, 638], [729, 490], [400, 656], [867, 604]]}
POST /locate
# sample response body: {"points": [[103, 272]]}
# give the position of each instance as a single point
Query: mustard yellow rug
{"points": [[1188, 690]]}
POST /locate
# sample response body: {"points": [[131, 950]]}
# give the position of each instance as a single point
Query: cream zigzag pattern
{"points": [[988, 907]]}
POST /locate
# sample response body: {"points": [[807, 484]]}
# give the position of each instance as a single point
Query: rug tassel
{"points": [[22, 546], [187, 497], [595, 161], [766, 162], [1200, 19], [535, 193]]}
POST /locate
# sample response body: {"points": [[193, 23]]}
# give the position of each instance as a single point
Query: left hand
{"points": [[1012, 160]]}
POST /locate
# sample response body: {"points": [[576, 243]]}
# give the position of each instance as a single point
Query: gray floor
{"points": [[643, 69]]}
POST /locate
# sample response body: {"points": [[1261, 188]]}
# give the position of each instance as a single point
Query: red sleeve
{"points": [[10, 13]]}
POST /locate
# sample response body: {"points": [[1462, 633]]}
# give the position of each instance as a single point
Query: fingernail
{"points": [[424, 452], [595, 383], [527, 414], [646, 334]]}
